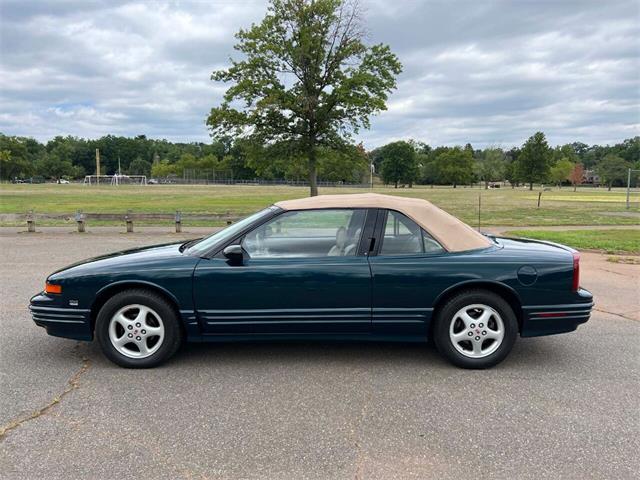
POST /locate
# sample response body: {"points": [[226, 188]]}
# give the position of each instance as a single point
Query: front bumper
{"points": [[551, 319], [60, 321]]}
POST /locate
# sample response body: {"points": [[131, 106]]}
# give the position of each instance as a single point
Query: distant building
{"points": [[591, 177]]}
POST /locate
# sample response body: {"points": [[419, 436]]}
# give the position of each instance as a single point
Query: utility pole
{"points": [[98, 166]]}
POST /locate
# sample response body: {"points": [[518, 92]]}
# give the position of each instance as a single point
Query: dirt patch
{"points": [[626, 260]]}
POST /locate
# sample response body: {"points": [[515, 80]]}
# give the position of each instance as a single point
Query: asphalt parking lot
{"points": [[559, 407]]}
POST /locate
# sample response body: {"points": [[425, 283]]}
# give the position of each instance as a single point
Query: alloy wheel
{"points": [[136, 331], [476, 331]]}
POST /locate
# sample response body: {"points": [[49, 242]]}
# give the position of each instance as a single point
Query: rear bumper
{"points": [[552, 319], [60, 321]]}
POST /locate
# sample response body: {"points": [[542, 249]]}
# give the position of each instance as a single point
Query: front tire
{"points": [[138, 329], [475, 329]]}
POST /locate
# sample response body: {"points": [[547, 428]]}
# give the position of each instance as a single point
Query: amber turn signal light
{"points": [[51, 288]]}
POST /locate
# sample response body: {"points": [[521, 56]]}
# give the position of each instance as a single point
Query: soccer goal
{"points": [[115, 180]]}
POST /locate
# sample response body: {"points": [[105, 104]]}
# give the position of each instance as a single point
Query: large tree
{"points": [[15, 161], [534, 160], [561, 171], [612, 169], [576, 177], [399, 163], [54, 166], [307, 79], [490, 166], [564, 151], [628, 150], [455, 166], [139, 167]]}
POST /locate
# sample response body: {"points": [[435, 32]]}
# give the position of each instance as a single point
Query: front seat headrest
{"points": [[341, 240], [353, 242]]}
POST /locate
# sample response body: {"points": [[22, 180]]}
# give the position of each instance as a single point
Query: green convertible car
{"points": [[337, 267]]}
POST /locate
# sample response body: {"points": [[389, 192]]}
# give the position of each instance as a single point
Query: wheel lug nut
{"points": [[481, 325], [138, 338], [144, 332], [130, 335], [484, 332], [473, 325], [471, 334], [138, 324], [129, 327], [477, 339]]}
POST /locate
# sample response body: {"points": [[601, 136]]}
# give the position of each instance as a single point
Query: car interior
{"points": [[333, 233], [402, 236], [321, 233]]}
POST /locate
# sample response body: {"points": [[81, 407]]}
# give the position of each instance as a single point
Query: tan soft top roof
{"points": [[453, 235]]}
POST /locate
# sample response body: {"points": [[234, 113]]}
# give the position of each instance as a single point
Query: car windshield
{"points": [[228, 233]]}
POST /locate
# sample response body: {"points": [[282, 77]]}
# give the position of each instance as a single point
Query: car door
{"points": [[409, 271], [303, 272]]}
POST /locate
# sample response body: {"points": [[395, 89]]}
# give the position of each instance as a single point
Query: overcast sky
{"points": [[489, 73]]}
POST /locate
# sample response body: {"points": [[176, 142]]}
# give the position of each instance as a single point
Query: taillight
{"points": [[576, 271], [52, 288]]}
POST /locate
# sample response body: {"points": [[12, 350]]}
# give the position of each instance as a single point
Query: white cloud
{"points": [[481, 72]]}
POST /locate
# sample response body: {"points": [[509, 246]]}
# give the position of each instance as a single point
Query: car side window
{"points": [[430, 244], [402, 236], [307, 233]]}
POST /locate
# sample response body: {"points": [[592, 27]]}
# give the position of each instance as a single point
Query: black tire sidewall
{"points": [[172, 333], [445, 317]]}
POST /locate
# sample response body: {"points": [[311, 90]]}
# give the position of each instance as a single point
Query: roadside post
{"points": [[629, 185], [178, 221], [31, 222], [80, 221], [539, 197], [479, 208], [129, 221]]}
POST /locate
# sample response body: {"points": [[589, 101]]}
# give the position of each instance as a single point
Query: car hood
{"points": [[125, 259]]}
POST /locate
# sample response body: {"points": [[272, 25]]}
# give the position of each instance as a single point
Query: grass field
{"points": [[609, 241], [500, 207]]}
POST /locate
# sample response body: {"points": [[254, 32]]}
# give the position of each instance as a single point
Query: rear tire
{"points": [[138, 329], [475, 329]]}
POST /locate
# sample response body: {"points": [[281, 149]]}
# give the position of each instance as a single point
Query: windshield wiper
{"points": [[187, 244]]}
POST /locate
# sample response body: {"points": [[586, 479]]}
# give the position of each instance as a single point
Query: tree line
{"points": [[72, 158], [401, 163], [412, 162]]}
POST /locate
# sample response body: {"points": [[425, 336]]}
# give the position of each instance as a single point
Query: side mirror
{"points": [[235, 254]]}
